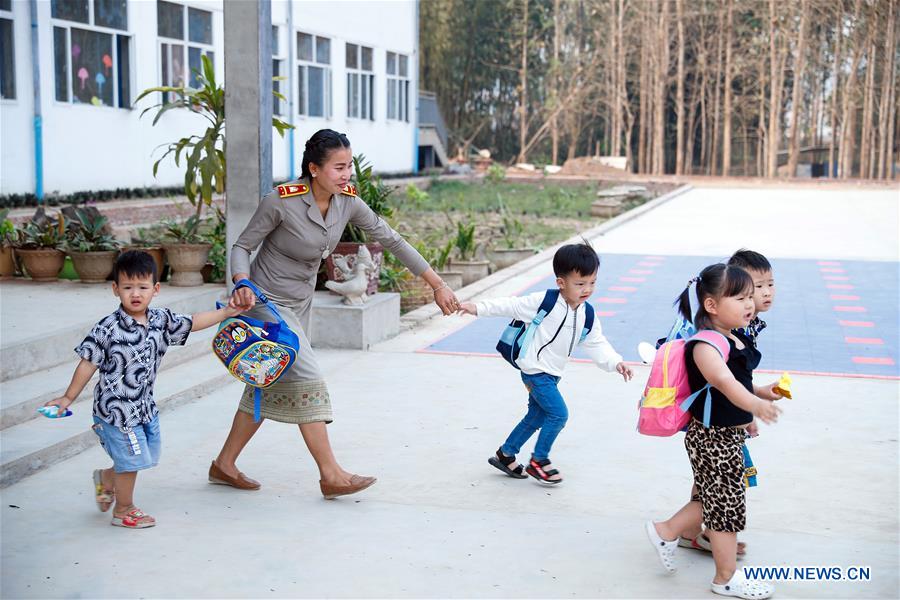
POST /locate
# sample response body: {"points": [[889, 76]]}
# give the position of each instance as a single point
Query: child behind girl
{"points": [[725, 299]]}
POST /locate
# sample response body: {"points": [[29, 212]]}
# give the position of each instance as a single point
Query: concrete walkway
{"points": [[442, 523]]}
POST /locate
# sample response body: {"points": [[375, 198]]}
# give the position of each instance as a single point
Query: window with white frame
{"points": [[7, 52], [313, 75], [185, 34], [92, 55], [279, 107], [360, 82], [397, 86]]}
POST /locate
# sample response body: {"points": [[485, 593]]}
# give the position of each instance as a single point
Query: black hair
{"points": [[578, 258], [748, 259], [715, 281], [318, 146], [135, 263]]}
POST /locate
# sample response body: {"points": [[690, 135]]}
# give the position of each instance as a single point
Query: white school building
{"points": [[349, 65]]}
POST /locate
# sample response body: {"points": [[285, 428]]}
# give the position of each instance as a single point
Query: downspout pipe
{"points": [[38, 117], [292, 90], [415, 93]]}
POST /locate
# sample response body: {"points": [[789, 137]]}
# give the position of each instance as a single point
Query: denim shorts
{"points": [[133, 451]]}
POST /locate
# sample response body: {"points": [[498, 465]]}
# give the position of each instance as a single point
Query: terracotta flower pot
{"points": [[504, 257], [42, 264], [187, 262], [94, 267], [453, 279], [349, 250], [7, 262], [472, 270], [415, 293], [158, 254]]}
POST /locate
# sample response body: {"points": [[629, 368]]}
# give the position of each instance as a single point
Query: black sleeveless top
{"points": [[741, 364]]}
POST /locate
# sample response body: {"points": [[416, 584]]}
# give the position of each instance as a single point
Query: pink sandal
{"points": [[134, 519]]}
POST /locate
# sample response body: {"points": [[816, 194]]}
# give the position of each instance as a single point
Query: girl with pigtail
{"points": [[725, 305]]}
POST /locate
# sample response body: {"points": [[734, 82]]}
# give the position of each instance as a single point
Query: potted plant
{"points": [[187, 251], [374, 193], [39, 243], [149, 243], [472, 270], [513, 234], [8, 235], [441, 264], [214, 270], [91, 245]]}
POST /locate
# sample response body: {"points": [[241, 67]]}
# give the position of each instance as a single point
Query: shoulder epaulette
{"points": [[295, 189], [349, 190]]}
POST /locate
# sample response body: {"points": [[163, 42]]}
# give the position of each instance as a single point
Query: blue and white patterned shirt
{"points": [[753, 329], [127, 355]]}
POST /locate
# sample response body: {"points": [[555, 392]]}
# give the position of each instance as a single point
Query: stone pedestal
{"points": [[336, 325]]}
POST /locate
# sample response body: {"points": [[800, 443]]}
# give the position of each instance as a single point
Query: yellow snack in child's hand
{"points": [[784, 385]]}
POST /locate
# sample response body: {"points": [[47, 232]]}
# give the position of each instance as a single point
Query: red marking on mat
{"points": [[829, 263], [605, 313], [640, 272], [856, 323], [648, 264], [850, 308], [604, 300], [872, 360], [843, 297], [622, 288], [839, 286], [832, 270], [633, 279], [835, 277], [872, 341]]}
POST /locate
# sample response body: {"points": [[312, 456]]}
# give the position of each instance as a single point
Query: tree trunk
{"points": [[887, 87], [799, 67], [865, 143], [662, 48], [644, 93], [717, 94], [726, 112], [523, 85], [679, 95], [776, 79], [848, 108], [554, 94], [839, 37]]}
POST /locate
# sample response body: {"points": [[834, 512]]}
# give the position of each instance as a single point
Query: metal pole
{"points": [[38, 117]]}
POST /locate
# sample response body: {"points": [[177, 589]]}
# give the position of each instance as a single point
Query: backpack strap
{"points": [[262, 298], [588, 321], [720, 343], [714, 339], [547, 304]]}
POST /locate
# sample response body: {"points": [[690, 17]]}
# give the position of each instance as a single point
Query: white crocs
{"points": [[741, 587], [664, 549]]}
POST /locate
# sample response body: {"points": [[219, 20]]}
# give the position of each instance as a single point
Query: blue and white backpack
{"points": [[517, 336]]}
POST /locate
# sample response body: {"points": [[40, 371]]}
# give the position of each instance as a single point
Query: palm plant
{"points": [[371, 190], [204, 155]]}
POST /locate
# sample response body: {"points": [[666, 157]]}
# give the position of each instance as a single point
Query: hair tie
{"points": [[696, 279]]}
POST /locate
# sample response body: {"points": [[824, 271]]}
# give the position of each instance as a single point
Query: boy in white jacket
{"points": [[543, 360]]}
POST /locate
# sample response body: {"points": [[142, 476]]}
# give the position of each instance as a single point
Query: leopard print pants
{"points": [[718, 464]]}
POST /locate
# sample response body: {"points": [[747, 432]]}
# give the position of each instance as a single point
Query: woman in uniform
{"points": [[295, 227]]}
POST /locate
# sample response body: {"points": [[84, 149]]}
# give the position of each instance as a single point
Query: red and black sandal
{"points": [[538, 470], [503, 462]]}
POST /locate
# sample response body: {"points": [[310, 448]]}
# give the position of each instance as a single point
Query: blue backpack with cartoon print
{"points": [[517, 336]]}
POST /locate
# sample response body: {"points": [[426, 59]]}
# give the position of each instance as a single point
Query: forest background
{"points": [[716, 87]]}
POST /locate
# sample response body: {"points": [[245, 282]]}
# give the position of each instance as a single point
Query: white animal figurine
{"points": [[353, 288]]}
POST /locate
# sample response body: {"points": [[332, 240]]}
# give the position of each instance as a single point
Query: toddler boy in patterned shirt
{"points": [[127, 347]]}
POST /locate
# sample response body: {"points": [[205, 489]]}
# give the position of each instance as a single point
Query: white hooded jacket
{"points": [[556, 337]]}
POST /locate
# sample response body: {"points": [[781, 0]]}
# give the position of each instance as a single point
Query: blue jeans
{"points": [[134, 451], [546, 411]]}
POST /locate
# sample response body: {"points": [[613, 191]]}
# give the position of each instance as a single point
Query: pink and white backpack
{"points": [[664, 406]]}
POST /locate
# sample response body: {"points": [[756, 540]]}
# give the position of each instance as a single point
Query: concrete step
{"points": [[21, 397], [38, 443], [29, 345]]}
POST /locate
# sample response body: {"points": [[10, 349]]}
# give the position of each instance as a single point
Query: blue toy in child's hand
{"points": [[52, 412]]}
